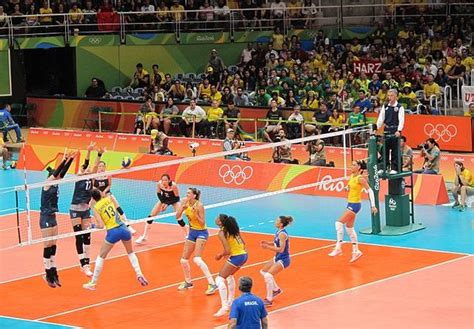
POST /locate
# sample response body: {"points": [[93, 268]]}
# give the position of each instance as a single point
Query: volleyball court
{"points": [[318, 290]]}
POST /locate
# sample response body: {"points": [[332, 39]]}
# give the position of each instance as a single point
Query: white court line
{"points": [[166, 287], [36, 321], [9, 229], [362, 286]]}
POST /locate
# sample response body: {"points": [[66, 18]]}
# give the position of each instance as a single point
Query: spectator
{"points": [[230, 143], [277, 10], [431, 153], [294, 128], [321, 117], [96, 89], [177, 12], [430, 89], [407, 154], [168, 115], [337, 123], [317, 152], [262, 98], [7, 123], [273, 124], [363, 102], [246, 55], [310, 101], [463, 185], [204, 89], [157, 94], [140, 77], [192, 113], [408, 98], [90, 15], [309, 12], [247, 311], [45, 11], [166, 85], [177, 90], [456, 72], [157, 76], [150, 117], [4, 153], [216, 63], [282, 154], [222, 12], [159, 143], [215, 94], [227, 96], [214, 115], [75, 14], [231, 112], [290, 99], [163, 15], [241, 99]]}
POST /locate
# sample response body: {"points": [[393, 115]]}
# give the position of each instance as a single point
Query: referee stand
{"points": [[399, 206]]}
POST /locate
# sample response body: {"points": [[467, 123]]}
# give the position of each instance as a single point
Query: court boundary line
{"points": [[169, 286], [37, 321], [363, 285]]}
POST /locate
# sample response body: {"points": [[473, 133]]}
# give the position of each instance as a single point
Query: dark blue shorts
{"points": [[48, 221], [120, 233], [354, 207], [84, 214], [285, 261], [197, 234], [238, 260]]}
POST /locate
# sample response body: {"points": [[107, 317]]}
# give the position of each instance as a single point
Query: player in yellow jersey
{"points": [[196, 239], [105, 212], [355, 185], [234, 247]]}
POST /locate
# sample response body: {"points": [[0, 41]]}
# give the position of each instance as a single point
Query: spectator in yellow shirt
{"points": [[463, 184], [44, 11], [403, 34], [310, 101], [467, 61], [75, 14], [216, 95], [204, 89], [214, 113], [430, 89], [177, 11], [140, 77]]}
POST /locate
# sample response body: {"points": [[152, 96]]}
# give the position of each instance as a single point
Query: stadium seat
{"points": [[232, 69], [116, 89]]}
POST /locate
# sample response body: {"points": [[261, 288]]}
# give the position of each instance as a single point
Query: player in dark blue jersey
{"points": [[281, 245], [80, 209], [48, 223], [168, 195], [104, 184]]}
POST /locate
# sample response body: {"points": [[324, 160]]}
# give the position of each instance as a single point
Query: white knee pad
{"points": [[184, 261], [262, 273], [198, 261], [220, 281]]}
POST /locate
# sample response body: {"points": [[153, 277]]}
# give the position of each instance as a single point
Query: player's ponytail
{"points": [[286, 220], [362, 164], [196, 192]]}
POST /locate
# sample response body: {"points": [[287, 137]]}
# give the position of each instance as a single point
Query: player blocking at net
{"points": [[106, 214], [80, 209], [168, 194], [48, 223], [355, 185]]}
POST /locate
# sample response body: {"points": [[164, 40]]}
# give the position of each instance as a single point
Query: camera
{"points": [[193, 146], [424, 146], [277, 139], [241, 143]]}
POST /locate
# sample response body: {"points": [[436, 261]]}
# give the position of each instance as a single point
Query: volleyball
{"points": [[13, 164], [126, 162]]}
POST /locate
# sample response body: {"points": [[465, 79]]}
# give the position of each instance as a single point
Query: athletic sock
{"points": [[339, 234], [269, 282], [199, 262], [186, 269], [222, 290], [231, 285], [135, 264], [353, 236], [99, 264]]}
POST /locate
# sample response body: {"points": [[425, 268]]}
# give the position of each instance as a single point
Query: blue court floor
{"points": [[446, 229], [14, 323]]}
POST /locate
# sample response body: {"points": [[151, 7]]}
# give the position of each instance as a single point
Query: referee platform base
{"points": [[395, 230]]}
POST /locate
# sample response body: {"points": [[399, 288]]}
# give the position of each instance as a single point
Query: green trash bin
{"points": [[397, 210]]}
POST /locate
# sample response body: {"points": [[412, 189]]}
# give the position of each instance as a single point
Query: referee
{"points": [[392, 116], [247, 311]]}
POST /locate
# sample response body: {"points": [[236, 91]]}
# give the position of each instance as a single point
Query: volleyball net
{"points": [[224, 178]]}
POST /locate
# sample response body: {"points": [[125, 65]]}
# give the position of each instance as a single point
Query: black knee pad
{"points": [[149, 221], [86, 238], [120, 211]]}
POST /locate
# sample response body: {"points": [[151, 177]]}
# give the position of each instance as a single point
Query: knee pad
{"points": [[184, 261], [268, 277], [53, 250], [77, 228], [198, 261], [220, 281], [86, 238], [262, 273], [47, 252]]}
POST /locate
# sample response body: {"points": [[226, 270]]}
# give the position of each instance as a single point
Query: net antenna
{"points": [[125, 186]]}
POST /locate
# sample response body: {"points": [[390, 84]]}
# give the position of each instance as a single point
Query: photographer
{"points": [[230, 143], [431, 152], [407, 154], [159, 143], [317, 153], [463, 185], [282, 154]]}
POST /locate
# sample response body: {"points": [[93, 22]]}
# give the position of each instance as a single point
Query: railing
{"points": [[447, 90], [234, 20], [472, 77]]}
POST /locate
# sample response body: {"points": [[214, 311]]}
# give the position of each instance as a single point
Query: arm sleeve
{"points": [[401, 118], [381, 117], [370, 192]]}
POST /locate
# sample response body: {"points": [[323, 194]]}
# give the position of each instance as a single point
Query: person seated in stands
{"points": [[355, 117], [296, 120], [140, 78], [431, 153], [310, 101], [227, 96], [150, 117], [157, 94], [336, 121], [7, 123], [463, 185], [262, 98], [216, 95], [167, 83], [408, 98], [4, 153], [321, 117], [231, 112], [96, 89], [317, 152], [430, 89], [363, 102], [214, 115], [159, 143], [241, 99], [168, 115], [177, 90], [407, 154], [192, 113], [282, 154], [273, 124], [204, 89], [157, 76]]}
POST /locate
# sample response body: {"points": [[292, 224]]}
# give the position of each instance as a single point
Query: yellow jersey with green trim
{"points": [[190, 212], [236, 245], [108, 213], [355, 189]]}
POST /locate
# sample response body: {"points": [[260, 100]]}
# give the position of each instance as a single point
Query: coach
{"points": [[247, 311], [392, 116]]}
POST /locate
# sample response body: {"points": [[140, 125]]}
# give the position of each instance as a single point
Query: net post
{"points": [[17, 217], [100, 121], [374, 180], [344, 148], [256, 129]]}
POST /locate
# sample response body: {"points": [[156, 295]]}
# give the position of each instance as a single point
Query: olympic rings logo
{"points": [[235, 174], [95, 41], [440, 131]]}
